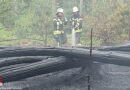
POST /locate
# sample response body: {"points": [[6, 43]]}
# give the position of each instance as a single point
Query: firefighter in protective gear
{"points": [[59, 21], [76, 23]]}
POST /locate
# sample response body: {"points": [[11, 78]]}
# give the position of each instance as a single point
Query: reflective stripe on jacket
{"points": [[58, 32]]}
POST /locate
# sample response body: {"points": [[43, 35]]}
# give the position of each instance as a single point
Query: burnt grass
{"points": [[103, 77]]}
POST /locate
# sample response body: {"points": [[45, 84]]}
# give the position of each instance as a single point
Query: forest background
{"points": [[30, 22]]}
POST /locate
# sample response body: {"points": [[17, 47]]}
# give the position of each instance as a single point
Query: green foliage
{"points": [[30, 21]]}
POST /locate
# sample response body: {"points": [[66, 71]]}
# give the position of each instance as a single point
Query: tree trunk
{"points": [[83, 54], [46, 34], [129, 33], [125, 48], [81, 7], [42, 67], [53, 7], [19, 60]]}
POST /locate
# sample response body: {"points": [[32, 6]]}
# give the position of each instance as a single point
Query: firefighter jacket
{"points": [[76, 23], [59, 24]]}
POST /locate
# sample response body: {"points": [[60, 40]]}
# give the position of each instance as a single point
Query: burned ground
{"points": [[104, 76]]}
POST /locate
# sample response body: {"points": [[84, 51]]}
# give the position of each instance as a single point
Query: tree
{"points": [[81, 7], [53, 7]]}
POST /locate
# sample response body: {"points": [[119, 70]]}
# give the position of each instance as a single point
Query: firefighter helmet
{"points": [[60, 10], [75, 9]]}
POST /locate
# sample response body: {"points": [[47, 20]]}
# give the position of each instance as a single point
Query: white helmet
{"points": [[60, 10], [75, 9]]}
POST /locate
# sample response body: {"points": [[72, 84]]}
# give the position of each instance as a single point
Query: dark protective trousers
{"points": [[61, 38], [78, 35]]}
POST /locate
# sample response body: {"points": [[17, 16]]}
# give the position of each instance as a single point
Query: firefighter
{"points": [[59, 21], [76, 23]]}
